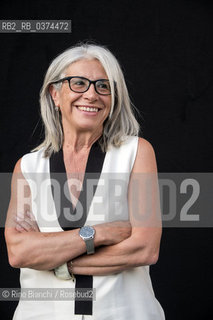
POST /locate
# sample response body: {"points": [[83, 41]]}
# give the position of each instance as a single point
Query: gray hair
{"points": [[121, 121]]}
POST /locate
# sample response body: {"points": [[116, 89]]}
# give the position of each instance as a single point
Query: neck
{"points": [[79, 141]]}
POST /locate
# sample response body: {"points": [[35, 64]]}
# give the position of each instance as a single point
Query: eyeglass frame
{"points": [[90, 82]]}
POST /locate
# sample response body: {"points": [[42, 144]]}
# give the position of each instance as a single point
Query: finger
{"points": [[30, 215], [32, 224], [19, 228], [31, 219], [25, 225], [22, 223], [27, 221]]}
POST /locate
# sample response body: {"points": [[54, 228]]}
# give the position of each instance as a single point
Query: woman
{"points": [[110, 240]]}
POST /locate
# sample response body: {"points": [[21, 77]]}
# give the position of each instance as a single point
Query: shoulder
{"points": [[145, 157], [17, 168], [145, 147]]}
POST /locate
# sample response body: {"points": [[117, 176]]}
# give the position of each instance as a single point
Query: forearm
{"points": [[44, 250], [99, 271], [130, 253]]}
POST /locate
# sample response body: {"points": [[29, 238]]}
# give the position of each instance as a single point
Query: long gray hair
{"points": [[121, 121]]}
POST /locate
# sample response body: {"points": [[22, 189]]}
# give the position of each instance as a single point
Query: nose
{"points": [[91, 94]]}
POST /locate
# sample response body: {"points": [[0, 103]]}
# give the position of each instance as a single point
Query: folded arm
{"points": [[118, 248], [28, 248], [142, 247]]}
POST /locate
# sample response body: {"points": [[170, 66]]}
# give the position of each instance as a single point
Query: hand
{"points": [[26, 223], [113, 232]]}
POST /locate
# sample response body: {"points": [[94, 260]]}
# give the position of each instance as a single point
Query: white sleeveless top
{"points": [[127, 295]]}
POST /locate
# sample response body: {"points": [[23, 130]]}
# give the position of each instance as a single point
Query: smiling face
{"points": [[82, 111]]}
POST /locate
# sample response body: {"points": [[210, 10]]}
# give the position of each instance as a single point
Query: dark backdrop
{"points": [[166, 50]]}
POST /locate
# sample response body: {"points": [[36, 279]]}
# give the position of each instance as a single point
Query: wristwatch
{"points": [[87, 233]]}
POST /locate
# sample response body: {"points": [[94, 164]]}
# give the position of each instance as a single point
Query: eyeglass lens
{"points": [[82, 85]]}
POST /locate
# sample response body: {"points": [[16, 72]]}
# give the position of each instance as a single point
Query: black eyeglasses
{"points": [[81, 84]]}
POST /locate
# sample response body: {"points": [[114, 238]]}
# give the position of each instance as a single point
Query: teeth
{"points": [[88, 109]]}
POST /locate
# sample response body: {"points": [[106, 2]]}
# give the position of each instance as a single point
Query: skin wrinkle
{"points": [[118, 248]]}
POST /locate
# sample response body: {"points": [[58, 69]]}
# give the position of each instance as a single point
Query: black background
{"points": [[166, 51]]}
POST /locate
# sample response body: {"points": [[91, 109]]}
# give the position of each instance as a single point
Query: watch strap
{"points": [[90, 246]]}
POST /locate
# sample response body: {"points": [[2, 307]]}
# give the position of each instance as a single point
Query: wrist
{"points": [[100, 238]]}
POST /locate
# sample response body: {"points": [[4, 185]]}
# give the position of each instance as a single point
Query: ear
{"points": [[55, 95]]}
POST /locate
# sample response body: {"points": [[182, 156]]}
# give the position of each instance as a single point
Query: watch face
{"points": [[87, 232]]}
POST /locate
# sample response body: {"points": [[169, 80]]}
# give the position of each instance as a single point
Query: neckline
{"points": [[68, 217]]}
